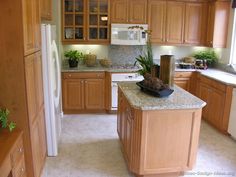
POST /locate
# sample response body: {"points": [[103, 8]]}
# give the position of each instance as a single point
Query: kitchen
{"points": [[85, 140]]}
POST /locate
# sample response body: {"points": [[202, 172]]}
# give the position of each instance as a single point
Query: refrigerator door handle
{"points": [[58, 86]]}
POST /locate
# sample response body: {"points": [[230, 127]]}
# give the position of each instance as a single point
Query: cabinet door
{"points": [[73, 20], [157, 20], [31, 26], [218, 20], [31, 87], [137, 11], [204, 94], [42, 144], [184, 83], [38, 81], [216, 109], [119, 11], [175, 22], [35, 142], [72, 94], [98, 20], [195, 23], [46, 9], [94, 94]]}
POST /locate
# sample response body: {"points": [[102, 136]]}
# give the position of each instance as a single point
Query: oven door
{"points": [[114, 97]]}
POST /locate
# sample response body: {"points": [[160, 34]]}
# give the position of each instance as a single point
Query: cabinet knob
{"points": [[84, 38], [85, 82], [22, 169], [20, 150], [69, 75], [167, 40]]}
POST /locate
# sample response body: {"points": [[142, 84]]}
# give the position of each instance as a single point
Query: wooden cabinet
{"points": [[173, 22], [73, 94], [12, 159], [157, 20], [183, 80], [195, 23], [218, 19], [218, 98], [83, 92], [128, 11], [31, 26], [46, 9], [85, 21], [38, 138], [21, 90], [146, 135]]}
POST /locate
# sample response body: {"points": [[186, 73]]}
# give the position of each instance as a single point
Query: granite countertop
{"points": [[224, 77], [179, 99], [97, 68]]}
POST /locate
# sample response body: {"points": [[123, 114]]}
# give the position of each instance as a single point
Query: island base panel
{"points": [[176, 174]]}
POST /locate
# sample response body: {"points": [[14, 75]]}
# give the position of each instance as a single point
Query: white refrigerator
{"points": [[52, 88]]}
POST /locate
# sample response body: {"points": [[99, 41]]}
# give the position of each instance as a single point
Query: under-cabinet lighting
{"points": [[104, 18]]}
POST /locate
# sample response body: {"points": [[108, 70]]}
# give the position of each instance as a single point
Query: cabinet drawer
{"points": [[17, 152], [213, 83], [5, 167], [19, 170], [84, 75], [183, 74]]}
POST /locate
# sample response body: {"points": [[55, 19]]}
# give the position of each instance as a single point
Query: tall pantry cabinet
{"points": [[21, 88]]}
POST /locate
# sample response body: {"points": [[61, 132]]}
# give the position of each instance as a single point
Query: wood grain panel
{"points": [[157, 20], [119, 11], [175, 22], [137, 11]]}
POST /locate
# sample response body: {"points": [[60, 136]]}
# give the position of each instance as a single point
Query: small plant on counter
{"points": [[146, 60], [4, 122], [208, 55], [74, 56]]}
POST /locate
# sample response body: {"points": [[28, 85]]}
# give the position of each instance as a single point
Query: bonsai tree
{"points": [[4, 122], [146, 60], [208, 55], [73, 57]]}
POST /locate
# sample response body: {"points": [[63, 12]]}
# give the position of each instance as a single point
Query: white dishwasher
{"points": [[121, 77], [232, 118]]}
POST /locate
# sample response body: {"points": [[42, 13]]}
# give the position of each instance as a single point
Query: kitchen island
{"points": [[159, 136]]}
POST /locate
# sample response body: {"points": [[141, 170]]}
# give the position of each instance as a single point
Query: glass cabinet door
{"points": [[74, 18], [98, 19]]}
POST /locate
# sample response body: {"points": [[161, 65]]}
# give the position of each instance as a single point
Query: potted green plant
{"points": [[74, 56], [146, 60], [209, 56], [4, 122]]}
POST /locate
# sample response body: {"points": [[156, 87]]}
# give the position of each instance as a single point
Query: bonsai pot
{"points": [[73, 63]]}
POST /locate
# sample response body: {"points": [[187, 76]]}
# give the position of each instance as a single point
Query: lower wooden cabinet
{"points": [[183, 80], [218, 97], [83, 92]]}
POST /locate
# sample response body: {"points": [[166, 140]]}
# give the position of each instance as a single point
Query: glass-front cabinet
{"points": [[85, 21]]}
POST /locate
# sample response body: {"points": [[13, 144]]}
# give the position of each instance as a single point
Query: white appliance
{"points": [[232, 118], [129, 34], [52, 87], [121, 77]]}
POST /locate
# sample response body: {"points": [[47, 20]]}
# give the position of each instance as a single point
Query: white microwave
{"points": [[129, 34]]}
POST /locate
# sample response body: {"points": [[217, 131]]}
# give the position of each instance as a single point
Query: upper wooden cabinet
{"points": [[128, 11], [46, 9], [31, 26], [85, 21], [173, 22], [157, 20], [218, 19], [195, 23]]}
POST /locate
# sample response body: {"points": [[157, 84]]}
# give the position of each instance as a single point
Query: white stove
{"points": [[121, 77]]}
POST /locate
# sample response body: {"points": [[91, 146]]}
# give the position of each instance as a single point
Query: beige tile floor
{"points": [[90, 148]]}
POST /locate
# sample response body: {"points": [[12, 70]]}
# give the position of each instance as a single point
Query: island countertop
{"points": [[179, 99]]}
